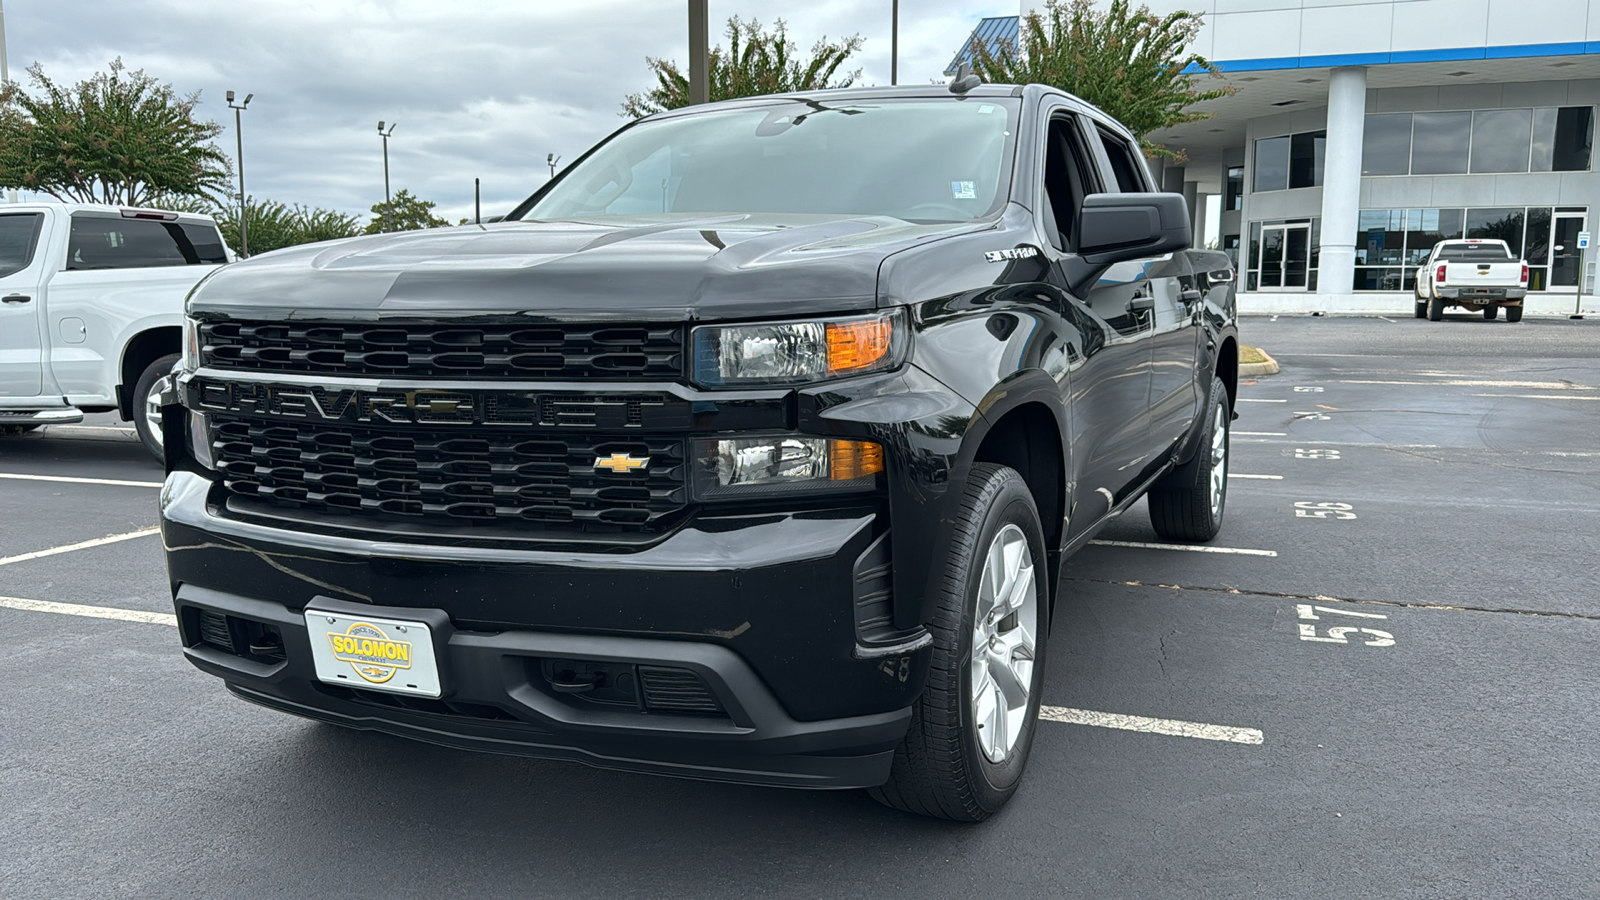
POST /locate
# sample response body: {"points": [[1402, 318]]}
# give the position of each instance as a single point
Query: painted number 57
{"points": [[1312, 509]]}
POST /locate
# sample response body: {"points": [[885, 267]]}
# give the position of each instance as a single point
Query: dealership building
{"points": [[1361, 133]]}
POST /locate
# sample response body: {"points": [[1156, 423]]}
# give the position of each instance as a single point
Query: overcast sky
{"points": [[477, 89]]}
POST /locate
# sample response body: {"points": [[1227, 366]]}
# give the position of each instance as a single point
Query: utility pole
{"points": [[5, 69], [699, 52], [477, 202], [894, 45], [386, 210], [238, 131]]}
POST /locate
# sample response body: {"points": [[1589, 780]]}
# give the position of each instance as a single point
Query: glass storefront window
{"points": [[1272, 164], [1439, 143], [1497, 224], [1426, 227], [1380, 237], [1563, 139], [1500, 140], [1386, 145], [1233, 195], [1305, 158]]}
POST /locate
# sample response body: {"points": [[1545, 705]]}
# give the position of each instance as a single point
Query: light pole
{"points": [[385, 134], [550, 159], [5, 70], [238, 131], [894, 43], [699, 52]]}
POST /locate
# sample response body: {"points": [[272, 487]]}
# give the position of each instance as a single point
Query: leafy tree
{"points": [[116, 137], [404, 212], [273, 225], [1125, 60], [756, 62]]}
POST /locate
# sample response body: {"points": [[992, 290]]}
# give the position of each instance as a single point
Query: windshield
{"points": [[941, 160], [1475, 253]]}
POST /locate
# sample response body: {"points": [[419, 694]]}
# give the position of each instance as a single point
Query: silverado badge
{"points": [[621, 462]]}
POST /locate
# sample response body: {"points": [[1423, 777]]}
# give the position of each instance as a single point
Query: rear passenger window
{"points": [[1123, 163], [19, 236], [99, 242]]}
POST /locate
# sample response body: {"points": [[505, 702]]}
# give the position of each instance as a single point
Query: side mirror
{"points": [[1115, 228]]}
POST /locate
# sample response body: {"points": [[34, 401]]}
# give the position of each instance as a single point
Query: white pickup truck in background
{"points": [[1476, 274], [91, 309]]}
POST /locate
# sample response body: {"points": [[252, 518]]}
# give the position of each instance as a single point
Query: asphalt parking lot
{"points": [[1386, 664]]}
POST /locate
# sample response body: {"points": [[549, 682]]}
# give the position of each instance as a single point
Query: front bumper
{"points": [[765, 621]]}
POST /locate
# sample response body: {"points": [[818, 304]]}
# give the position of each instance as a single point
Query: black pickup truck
{"points": [[748, 448]]}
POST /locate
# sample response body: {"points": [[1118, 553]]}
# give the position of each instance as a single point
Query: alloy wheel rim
{"points": [[152, 413], [1219, 460], [1004, 632]]}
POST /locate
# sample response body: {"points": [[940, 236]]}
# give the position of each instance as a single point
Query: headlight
{"points": [[783, 464], [190, 359], [797, 352]]}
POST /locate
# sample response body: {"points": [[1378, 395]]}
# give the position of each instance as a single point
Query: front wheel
{"points": [[1421, 308], [1187, 503], [971, 730], [147, 404]]}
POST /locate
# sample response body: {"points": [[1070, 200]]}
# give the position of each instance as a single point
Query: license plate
{"points": [[377, 654]]}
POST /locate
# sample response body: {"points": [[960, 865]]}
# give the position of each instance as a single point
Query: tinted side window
{"points": [[1067, 181], [1123, 164], [19, 237], [98, 242]]}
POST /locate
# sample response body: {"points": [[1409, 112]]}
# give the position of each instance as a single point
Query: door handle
{"points": [[15, 298]]}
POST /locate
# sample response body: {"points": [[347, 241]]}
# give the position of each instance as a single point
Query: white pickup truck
{"points": [[91, 309], [1474, 273]]}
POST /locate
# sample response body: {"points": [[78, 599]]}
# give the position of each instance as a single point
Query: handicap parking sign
{"points": [[1583, 240]]}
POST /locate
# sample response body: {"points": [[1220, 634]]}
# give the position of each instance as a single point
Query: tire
{"points": [[1187, 504], [17, 429], [1435, 309], [1490, 313], [1513, 314], [1421, 308], [957, 761], [147, 421]]}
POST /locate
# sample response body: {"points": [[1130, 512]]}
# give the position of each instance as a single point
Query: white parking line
{"points": [[1539, 396], [1192, 548], [1250, 400], [82, 545], [1258, 477], [1473, 382], [92, 612], [71, 480], [1262, 433], [1173, 727]]}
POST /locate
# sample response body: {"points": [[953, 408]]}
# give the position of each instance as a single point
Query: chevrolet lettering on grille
{"points": [[438, 407]]}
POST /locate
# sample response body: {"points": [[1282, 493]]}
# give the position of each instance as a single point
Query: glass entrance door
{"points": [[1565, 257], [1285, 257]]}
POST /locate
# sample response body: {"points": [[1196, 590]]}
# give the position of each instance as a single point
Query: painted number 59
{"points": [[1313, 509]]}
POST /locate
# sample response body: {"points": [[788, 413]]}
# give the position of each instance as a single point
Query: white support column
{"points": [[1341, 179], [1191, 197]]}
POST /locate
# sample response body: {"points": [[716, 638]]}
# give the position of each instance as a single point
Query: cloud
{"points": [[478, 89]]}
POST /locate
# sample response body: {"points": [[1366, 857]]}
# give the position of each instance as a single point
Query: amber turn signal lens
{"points": [[859, 344], [849, 460]]}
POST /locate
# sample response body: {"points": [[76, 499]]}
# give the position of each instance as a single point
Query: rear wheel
{"points": [[1513, 314], [971, 730], [1490, 313], [1435, 309], [147, 404], [1187, 503]]}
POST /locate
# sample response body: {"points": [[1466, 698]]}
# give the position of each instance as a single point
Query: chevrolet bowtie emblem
{"points": [[621, 462]]}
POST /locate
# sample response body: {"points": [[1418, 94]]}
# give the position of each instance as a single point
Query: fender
{"points": [[932, 543]]}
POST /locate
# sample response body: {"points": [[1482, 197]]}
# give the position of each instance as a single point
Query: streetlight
{"points": [[238, 131], [550, 159], [894, 43], [5, 71], [385, 135]]}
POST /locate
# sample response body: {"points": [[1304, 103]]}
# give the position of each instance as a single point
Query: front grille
{"points": [[448, 475], [405, 349]]}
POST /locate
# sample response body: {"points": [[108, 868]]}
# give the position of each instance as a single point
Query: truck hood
{"points": [[654, 269]]}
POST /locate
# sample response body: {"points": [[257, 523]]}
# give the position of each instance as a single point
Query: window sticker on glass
{"points": [[986, 109], [964, 190]]}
